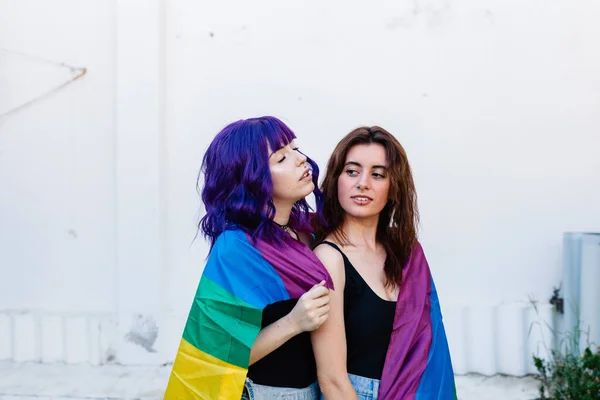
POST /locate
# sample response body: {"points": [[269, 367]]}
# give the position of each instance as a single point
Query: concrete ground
{"points": [[60, 382]]}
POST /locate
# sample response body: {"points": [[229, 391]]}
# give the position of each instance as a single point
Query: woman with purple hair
{"points": [[262, 289]]}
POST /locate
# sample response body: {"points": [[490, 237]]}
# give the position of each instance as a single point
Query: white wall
{"points": [[57, 208], [496, 102]]}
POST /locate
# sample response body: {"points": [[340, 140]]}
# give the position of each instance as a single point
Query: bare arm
{"points": [[272, 337], [309, 313], [329, 341]]}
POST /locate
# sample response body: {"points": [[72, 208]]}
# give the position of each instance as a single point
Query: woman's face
{"points": [[290, 173], [364, 185]]}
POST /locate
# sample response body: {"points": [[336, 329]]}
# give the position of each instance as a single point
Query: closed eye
{"points": [[284, 157]]}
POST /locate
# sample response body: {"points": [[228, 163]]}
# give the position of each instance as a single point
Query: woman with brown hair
{"points": [[384, 338]]}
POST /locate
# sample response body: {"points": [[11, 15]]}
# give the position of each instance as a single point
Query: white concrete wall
{"points": [[496, 102], [57, 170]]}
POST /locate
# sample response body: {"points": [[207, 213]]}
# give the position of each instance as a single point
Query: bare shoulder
{"points": [[330, 257]]}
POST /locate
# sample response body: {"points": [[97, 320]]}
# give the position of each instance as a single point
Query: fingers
{"points": [[318, 319], [317, 291], [322, 311], [316, 297], [313, 307], [320, 301], [322, 283], [321, 320]]}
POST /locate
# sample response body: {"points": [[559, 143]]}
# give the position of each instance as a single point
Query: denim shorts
{"points": [[253, 391], [366, 388]]}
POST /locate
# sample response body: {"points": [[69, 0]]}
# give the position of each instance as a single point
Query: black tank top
{"points": [[293, 363], [369, 321]]}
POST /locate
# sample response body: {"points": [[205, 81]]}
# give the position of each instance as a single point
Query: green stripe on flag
{"points": [[222, 325]]}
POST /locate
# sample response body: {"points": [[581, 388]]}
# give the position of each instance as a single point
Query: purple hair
{"points": [[238, 188]]}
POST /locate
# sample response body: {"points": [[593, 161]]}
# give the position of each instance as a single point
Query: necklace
{"points": [[287, 228]]}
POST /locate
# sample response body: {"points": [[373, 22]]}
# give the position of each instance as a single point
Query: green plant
{"points": [[569, 376]]}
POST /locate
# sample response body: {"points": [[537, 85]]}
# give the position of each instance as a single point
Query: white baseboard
{"points": [[483, 339], [499, 339], [92, 338]]}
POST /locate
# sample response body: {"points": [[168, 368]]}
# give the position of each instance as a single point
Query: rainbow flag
{"points": [[418, 365], [239, 280]]}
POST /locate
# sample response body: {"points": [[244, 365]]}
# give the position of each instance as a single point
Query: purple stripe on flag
{"points": [[411, 336], [297, 266]]}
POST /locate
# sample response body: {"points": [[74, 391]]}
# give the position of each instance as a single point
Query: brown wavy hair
{"points": [[398, 221]]}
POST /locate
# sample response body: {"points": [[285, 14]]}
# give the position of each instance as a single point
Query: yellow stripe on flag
{"points": [[200, 376]]}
